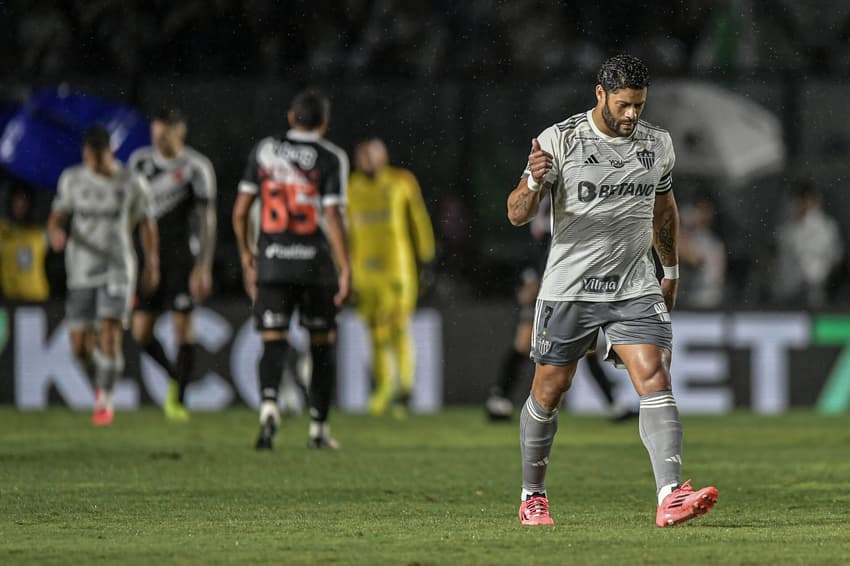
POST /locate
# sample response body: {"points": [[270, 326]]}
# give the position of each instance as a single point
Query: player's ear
{"points": [[291, 117], [600, 93]]}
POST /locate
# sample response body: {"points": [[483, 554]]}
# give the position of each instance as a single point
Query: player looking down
{"points": [[609, 175]]}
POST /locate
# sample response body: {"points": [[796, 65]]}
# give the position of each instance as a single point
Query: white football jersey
{"points": [[104, 211], [602, 209]]}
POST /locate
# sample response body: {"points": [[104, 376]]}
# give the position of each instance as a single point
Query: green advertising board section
{"points": [[834, 330]]}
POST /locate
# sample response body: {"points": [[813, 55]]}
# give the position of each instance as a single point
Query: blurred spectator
{"points": [[809, 251], [23, 247], [702, 256], [402, 39]]}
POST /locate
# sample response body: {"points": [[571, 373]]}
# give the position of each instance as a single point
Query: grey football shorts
{"points": [[564, 331], [85, 307]]}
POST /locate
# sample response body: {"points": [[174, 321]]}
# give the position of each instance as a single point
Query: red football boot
{"points": [[683, 504]]}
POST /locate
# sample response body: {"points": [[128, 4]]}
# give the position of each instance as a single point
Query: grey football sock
{"points": [[537, 428], [661, 432], [107, 369]]}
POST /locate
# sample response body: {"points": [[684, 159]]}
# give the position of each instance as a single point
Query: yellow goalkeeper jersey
{"points": [[389, 228], [22, 252]]}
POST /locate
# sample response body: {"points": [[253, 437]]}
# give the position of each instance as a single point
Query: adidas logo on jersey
{"points": [[592, 160]]}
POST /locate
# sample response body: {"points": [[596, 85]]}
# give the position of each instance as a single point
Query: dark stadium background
{"points": [[457, 89]]}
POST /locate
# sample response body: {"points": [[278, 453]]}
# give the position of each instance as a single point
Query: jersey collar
{"points": [[301, 135], [164, 162], [606, 137]]}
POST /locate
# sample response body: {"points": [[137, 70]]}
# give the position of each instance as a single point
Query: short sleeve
{"points": [[204, 185], [63, 202], [335, 187], [133, 163], [665, 183], [142, 206], [250, 182]]}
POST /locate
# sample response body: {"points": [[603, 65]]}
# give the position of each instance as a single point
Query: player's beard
{"points": [[611, 122]]}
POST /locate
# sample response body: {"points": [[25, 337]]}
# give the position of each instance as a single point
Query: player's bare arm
{"points": [[150, 246], [524, 201], [339, 246], [247, 256], [200, 280], [665, 233], [56, 234]]}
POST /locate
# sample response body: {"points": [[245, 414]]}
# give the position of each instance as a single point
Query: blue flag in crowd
{"points": [[43, 135]]}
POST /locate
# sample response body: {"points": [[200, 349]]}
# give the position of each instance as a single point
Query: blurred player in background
{"points": [[609, 176], [105, 201], [302, 255], [391, 238], [515, 362], [183, 193]]}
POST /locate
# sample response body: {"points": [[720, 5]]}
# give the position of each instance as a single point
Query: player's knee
{"points": [[183, 328], [141, 331], [380, 333], [80, 348], [654, 381], [550, 384], [142, 338]]}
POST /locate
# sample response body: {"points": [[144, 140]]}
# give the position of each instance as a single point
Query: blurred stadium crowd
{"points": [[774, 243], [393, 38]]}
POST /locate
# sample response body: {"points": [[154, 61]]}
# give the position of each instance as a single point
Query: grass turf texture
{"points": [[429, 490]]}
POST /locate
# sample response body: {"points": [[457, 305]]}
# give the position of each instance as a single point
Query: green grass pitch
{"points": [[439, 489]]}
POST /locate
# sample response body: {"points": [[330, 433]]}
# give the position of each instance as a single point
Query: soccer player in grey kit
{"points": [[105, 201], [609, 175]]}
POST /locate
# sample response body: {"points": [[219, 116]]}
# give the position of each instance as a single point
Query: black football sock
{"points": [[154, 349], [184, 367], [271, 368], [322, 384]]}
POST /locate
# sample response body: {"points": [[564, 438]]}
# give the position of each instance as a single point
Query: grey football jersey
{"points": [[104, 210], [602, 209]]}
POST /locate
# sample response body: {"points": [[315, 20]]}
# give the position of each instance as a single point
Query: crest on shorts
{"points": [[543, 345], [646, 158]]}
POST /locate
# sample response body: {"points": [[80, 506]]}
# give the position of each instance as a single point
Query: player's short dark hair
{"points": [[623, 71], [96, 137], [805, 188], [170, 115], [311, 108]]}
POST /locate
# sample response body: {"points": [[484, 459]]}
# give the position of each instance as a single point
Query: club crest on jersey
{"points": [[646, 158], [543, 345]]}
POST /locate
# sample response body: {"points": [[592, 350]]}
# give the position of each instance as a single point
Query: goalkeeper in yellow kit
{"points": [[390, 237]]}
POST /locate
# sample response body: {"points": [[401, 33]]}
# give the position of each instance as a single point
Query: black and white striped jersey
{"points": [[294, 178], [178, 186]]}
